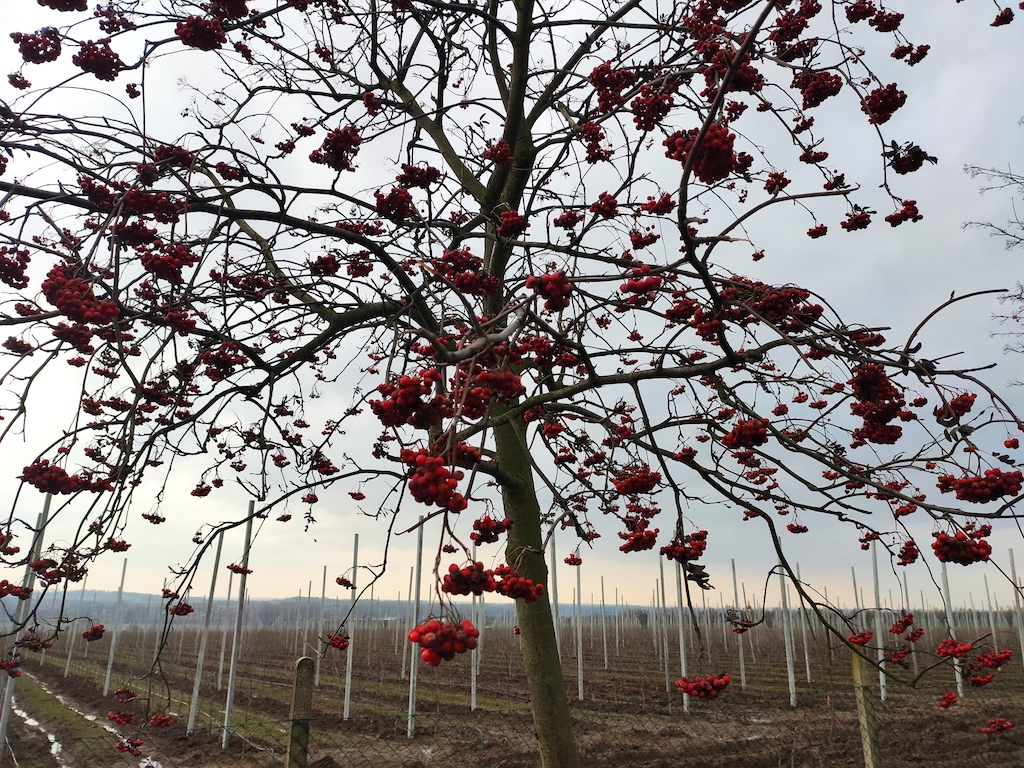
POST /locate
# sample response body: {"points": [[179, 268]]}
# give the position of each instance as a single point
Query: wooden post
{"points": [[302, 711], [866, 713]]}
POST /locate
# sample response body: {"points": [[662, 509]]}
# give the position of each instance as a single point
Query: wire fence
{"points": [[748, 729]]}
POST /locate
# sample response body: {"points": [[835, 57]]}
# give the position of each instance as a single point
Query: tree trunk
{"points": [[549, 702]]}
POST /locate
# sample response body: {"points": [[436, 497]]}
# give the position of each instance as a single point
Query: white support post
{"points": [[1018, 618], [803, 627], [414, 656], [991, 614], [352, 626], [682, 633], [788, 633], [193, 708], [236, 640], [604, 626], [554, 593], [739, 635], [946, 602], [71, 634], [879, 637], [320, 644], [663, 621], [224, 631], [579, 635]]}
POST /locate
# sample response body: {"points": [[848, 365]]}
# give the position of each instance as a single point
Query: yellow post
{"points": [[866, 712]]}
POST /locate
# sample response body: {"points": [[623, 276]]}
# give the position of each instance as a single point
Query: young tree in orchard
{"points": [[512, 219]]}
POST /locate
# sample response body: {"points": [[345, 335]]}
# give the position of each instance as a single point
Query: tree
{"points": [[511, 218], [1012, 234]]}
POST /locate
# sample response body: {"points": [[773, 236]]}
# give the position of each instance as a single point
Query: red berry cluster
{"points": [[690, 548], [239, 569], [982, 489], [606, 206], [950, 648], [338, 149], [947, 700], [73, 297], [713, 160], [776, 182], [372, 103], [130, 747], [486, 530], [641, 286], [98, 59], [553, 287], [746, 434], [653, 105], [93, 633], [856, 220], [997, 724], [513, 224], [472, 579], [593, 135], [797, 528], [882, 102], [638, 538], [431, 482], [442, 642], [609, 84], [908, 553], [908, 212], [464, 271], [7, 588], [499, 153], [1005, 16], [635, 479], [902, 624], [574, 560], [161, 721], [704, 688], [815, 87], [204, 34], [415, 176], [405, 401], [53, 479], [122, 718], [181, 609], [396, 205], [567, 219], [31, 641], [339, 641], [819, 231], [516, 587], [994, 659], [168, 262], [65, 5], [886, 22], [40, 47], [13, 262], [961, 548], [11, 666], [861, 638]]}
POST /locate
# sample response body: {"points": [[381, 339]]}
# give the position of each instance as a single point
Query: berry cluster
{"points": [[908, 212], [181, 609], [204, 34], [961, 548], [609, 84], [13, 262], [11, 666], [65, 5], [473, 390], [130, 747], [415, 176], [516, 587], [7, 588], [902, 624], [372, 103], [950, 648], [704, 688], [553, 287], [472, 579], [638, 537], [861, 638], [31, 641], [487, 529], [641, 286], [122, 718], [982, 489], [746, 434], [574, 560], [442, 642], [73, 297], [98, 59], [431, 482], [222, 361], [513, 224], [405, 401], [947, 700], [997, 724], [93, 633], [168, 262], [567, 219], [993, 659], [713, 160], [606, 206], [815, 87], [653, 105], [882, 102], [161, 721], [40, 47], [338, 149], [635, 479], [396, 205], [690, 548], [464, 271], [53, 479], [499, 153], [340, 641]]}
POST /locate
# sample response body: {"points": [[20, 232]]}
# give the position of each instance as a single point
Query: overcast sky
{"points": [[964, 108]]}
